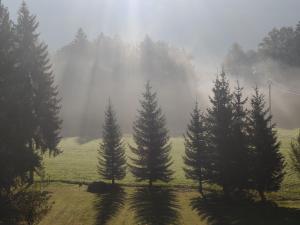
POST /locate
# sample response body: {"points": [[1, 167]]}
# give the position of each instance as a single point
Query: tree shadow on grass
{"points": [[155, 206], [218, 211], [110, 199]]}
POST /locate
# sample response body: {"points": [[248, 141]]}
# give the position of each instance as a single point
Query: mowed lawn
{"points": [[78, 161], [74, 205]]}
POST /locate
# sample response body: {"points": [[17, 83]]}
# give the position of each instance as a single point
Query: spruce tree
{"points": [[267, 161], [39, 102], [195, 158], [219, 123], [240, 142], [112, 161], [152, 151], [295, 154]]}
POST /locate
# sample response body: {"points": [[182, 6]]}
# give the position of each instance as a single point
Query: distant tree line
{"points": [[87, 71], [29, 120], [228, 145], [281, 45], [276, 60]]}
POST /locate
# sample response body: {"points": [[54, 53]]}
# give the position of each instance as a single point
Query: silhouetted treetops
{"points": [[228, 144]]}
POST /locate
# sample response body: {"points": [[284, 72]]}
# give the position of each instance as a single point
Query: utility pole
{"points": [[270, 95], [270, 98]]}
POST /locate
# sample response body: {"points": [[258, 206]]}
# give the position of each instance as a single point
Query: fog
{"points": [[91, 72], [205, 28], [178, 45]]}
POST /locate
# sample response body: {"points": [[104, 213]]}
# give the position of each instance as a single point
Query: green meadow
{"points": [[74, 205]]}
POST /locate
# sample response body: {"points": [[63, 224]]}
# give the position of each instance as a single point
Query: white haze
{"points": [[203, 31], [205, 28]]}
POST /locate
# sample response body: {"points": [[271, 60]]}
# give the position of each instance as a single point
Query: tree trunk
{"points": [[201, 189], [31, 172], [31, 177], [226, 191], [262, 195]]}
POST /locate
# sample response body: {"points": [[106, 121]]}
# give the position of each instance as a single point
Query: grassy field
{"points": [[78, 162], [74, 205]]}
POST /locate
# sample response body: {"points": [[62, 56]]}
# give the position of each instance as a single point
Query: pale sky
{"points": [[206, 28]]}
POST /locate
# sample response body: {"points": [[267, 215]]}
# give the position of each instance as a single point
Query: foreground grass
{"points": [[73, 205]]}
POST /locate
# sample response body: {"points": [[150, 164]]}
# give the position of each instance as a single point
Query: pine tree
{"points": [[152, 152], [112, 161], [267, 161], [219, 123], [240, 156], [38, 94], [295, 154], [16, 159], [195, 158]]}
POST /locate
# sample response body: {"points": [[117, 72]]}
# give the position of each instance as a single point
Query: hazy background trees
{"points": [[277, 60], [89, 71]]}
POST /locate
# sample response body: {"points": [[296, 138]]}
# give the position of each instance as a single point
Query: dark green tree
{"points": [[267, 161], [39, 97], [6, 69], [219, 123], [112, 161], [26, 129], [295, 154], [16, 159], [240, 142], [195, 158], [152, 151]]}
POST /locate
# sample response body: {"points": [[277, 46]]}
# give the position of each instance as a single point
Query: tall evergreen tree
{"points": [[240, 142], [112, 161], [219, 124], [16, 159], [195, 143], [39, 97], [152, 152], [267, 161], [295, 154]]}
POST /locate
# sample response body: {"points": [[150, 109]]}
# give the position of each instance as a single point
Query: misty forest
{"points": [[149, 113]]}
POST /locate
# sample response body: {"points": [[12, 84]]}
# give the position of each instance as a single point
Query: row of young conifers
{"points": [[227, 144]]}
